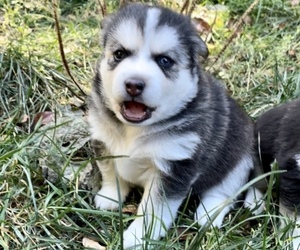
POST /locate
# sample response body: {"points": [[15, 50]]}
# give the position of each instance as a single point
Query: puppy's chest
{"points": [[138, 171], [135, 164], [146, 155]]}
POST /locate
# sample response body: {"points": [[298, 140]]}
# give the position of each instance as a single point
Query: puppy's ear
{"points": [[203, 50], [105, 21], [104, 24]]}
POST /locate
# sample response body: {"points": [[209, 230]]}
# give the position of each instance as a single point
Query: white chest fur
{"points": [[144, 153], [136, 170]]}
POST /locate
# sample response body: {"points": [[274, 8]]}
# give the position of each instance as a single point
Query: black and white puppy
{"points": [[278, 133], [178, 127]]}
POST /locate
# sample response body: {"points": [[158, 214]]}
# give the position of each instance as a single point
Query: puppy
{"points": [[278, 133], [180, 131]]}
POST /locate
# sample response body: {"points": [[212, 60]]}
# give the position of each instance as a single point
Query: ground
{"points": [[260, 68]]}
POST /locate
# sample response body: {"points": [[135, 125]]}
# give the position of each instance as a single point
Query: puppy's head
{"points": [[149, 67]]}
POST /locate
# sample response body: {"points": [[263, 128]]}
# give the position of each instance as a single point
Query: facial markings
{"points": [[161, 43], [156, 41], [129, 34], [115, 54], [144, 58], [125, 39]]}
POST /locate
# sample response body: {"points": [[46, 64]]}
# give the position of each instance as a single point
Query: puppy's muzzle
{"points": [[135, 110], [134, 87]]}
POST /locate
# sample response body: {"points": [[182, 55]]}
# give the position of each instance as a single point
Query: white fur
{"points": [[156, 215], [253, 200], [288, 218], [124, 33], [296, 234], [134, 166], [217, 201], [113, 190], [297, 158], [168, 147]]}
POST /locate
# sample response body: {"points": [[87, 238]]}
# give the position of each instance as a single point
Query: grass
{"points": [[260, 68]]}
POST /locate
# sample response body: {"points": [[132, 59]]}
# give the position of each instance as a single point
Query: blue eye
{"points": [[164, 61]]}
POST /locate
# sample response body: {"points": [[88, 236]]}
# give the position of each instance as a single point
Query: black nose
{"points": [[134, 87]]}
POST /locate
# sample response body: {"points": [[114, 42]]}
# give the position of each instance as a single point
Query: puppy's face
{"points": [[149, 69]]}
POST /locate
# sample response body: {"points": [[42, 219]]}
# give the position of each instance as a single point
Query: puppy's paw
{"points": [[296, 238], [134, 234], [213, 219], [212, 212], [254, 201], [107, 198], [133, 239]]}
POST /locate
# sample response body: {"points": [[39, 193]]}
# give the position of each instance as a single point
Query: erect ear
{"points": [[104, 24], [105, 21]]}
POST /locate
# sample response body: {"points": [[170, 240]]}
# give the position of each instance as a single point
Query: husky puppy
{"points": [[278, 133], [178, 128]]}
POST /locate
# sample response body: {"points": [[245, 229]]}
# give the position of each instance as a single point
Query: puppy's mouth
{"points": [[135, 112]]}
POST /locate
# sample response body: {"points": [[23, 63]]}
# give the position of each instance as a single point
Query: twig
{"points": [[185, 6], [122, 3], [62, 52], [235, 31], [103, 7], [211, 26], [192, 8]]}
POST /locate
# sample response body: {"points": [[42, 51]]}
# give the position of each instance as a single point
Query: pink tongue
{"points": [[134, 109]]}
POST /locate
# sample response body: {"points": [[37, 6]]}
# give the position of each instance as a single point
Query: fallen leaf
{"points": [[86, 242], [184, 233], [24, 119], [282, 25], [201, 25], [76, 103], [292, 54], [42, 118], [130, 209], [295, 2], [247, 20]]}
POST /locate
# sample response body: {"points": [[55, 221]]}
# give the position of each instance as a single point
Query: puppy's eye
{"points": [[164, 61], [119, 55]]}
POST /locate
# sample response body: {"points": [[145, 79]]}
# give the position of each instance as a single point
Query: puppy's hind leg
{"points": [[218, 200], [289, 193]]}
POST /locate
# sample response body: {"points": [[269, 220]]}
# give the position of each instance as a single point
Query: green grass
{"points": [[260, 68]]}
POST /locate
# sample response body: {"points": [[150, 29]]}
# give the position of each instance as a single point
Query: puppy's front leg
{"points": [[155, 215], [112, 185]]}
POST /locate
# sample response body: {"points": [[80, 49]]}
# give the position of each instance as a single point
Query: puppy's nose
{"points": [[134, 87]]}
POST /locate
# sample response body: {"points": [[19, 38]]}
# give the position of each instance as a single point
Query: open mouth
{"points": [[135, 112]]}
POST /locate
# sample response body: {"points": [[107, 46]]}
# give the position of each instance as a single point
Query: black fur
{"points": [[224, 128], [278, 133]]}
